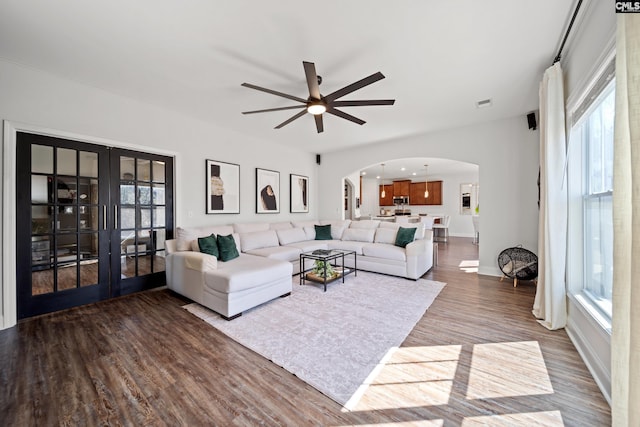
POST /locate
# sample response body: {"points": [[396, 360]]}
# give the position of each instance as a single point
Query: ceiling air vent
{"points": [[484, 103]]}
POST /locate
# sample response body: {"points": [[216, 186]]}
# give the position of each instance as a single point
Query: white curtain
{"points": [[625, 340], [550, 302]]}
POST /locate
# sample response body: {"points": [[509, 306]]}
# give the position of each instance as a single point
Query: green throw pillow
{"points": [[323, 232], [209, 245], [227, 248], [405, 236]]}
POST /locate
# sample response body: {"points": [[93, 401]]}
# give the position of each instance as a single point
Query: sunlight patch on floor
{"points": [[506, 370], [409, 377], [469, 266], [421, 423], [548, 419]]}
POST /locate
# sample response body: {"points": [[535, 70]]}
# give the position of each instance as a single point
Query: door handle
{"points": [[115, 216], [104, 217]]}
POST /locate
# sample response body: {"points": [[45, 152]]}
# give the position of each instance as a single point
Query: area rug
{"points": [[331, 340]]}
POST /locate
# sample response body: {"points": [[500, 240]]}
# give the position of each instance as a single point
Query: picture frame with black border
{"points": [[267, 191], [223, 187], [299, 193]]}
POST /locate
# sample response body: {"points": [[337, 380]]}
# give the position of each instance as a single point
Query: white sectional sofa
{"points": [[270, 254]]}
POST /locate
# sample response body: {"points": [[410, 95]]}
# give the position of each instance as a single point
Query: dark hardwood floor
{"points": [[477, 357]]}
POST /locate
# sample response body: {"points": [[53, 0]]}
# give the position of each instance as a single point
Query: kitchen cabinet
{"points": [[435, 193], [401, 188], [388, 199], [416, 196]]}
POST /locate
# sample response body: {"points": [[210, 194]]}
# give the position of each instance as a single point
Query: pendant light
{"points": [[426, 183], [383, 194]]}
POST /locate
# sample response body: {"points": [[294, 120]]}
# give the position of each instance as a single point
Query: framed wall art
{"points": [[299, 193], [267, 191], [223, 187]]}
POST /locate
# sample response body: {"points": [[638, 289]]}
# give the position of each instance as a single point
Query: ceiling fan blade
{"points": [[274, 109], [312, 79], [274, 92], [286, 122], [319, 124], [354, 86], [363, 103], [346, 116]]}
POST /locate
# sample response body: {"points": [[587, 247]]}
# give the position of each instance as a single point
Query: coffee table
{"points": [[331, 256]]}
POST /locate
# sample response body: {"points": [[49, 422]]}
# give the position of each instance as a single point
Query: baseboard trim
{"points": [[598, 371]]}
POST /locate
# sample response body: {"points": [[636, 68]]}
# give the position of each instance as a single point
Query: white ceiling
{"points": [[406, 168], [439, 58]]}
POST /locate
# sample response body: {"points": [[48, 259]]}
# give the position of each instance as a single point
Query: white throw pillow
{"points": [[359, 234], [280, 225], [419, 230], [303, 224], [337, 232], [310, 232], [250, 227], [185, 236], [292, 235], [336, 222], [386, 235], [389, 225], [365, 223], [258, 240]]}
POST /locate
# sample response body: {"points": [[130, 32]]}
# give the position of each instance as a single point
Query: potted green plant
{"points": [[320, 268]]}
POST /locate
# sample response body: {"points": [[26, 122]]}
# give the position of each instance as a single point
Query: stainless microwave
{"points": [[401, 200]]}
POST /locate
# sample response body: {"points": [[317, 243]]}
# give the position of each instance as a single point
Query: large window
{"points": [[592, 186], [598, 221]]}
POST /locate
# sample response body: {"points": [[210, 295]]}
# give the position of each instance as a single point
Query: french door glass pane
{"points": [[127, 168], [40, 188], [41, 159], [41, 219], [67, 276], [89, 164], [145, 217], [89, 272], [127, 266], [127, 194], [128, 242], [158, 217], [158, 194], [127, 218], [158, 171], [42, 281], [158, 262], [144, 194], [159, 237], [67, 218], [66, 161], [88, 191], [88, 245], [144, 170], [144, 241]]}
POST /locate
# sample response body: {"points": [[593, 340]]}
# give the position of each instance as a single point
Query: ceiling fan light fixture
{"points": [[316, 108]]}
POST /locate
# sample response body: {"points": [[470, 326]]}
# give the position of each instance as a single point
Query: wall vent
{"points": [[484, 103]]}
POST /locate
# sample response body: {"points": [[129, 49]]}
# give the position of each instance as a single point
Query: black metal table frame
{"points": [[334, 255]]}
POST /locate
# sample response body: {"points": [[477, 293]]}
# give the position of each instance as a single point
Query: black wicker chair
{"points": [[518, 263]]}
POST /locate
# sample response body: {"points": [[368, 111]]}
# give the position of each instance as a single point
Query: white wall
{"points": [[594, 37], [507, 154], [46, 101]]}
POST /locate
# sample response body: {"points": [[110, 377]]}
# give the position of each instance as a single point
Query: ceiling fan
{"points": [[317, 104]]}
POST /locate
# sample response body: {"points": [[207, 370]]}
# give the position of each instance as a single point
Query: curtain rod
{"points": [[566, 35]]}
